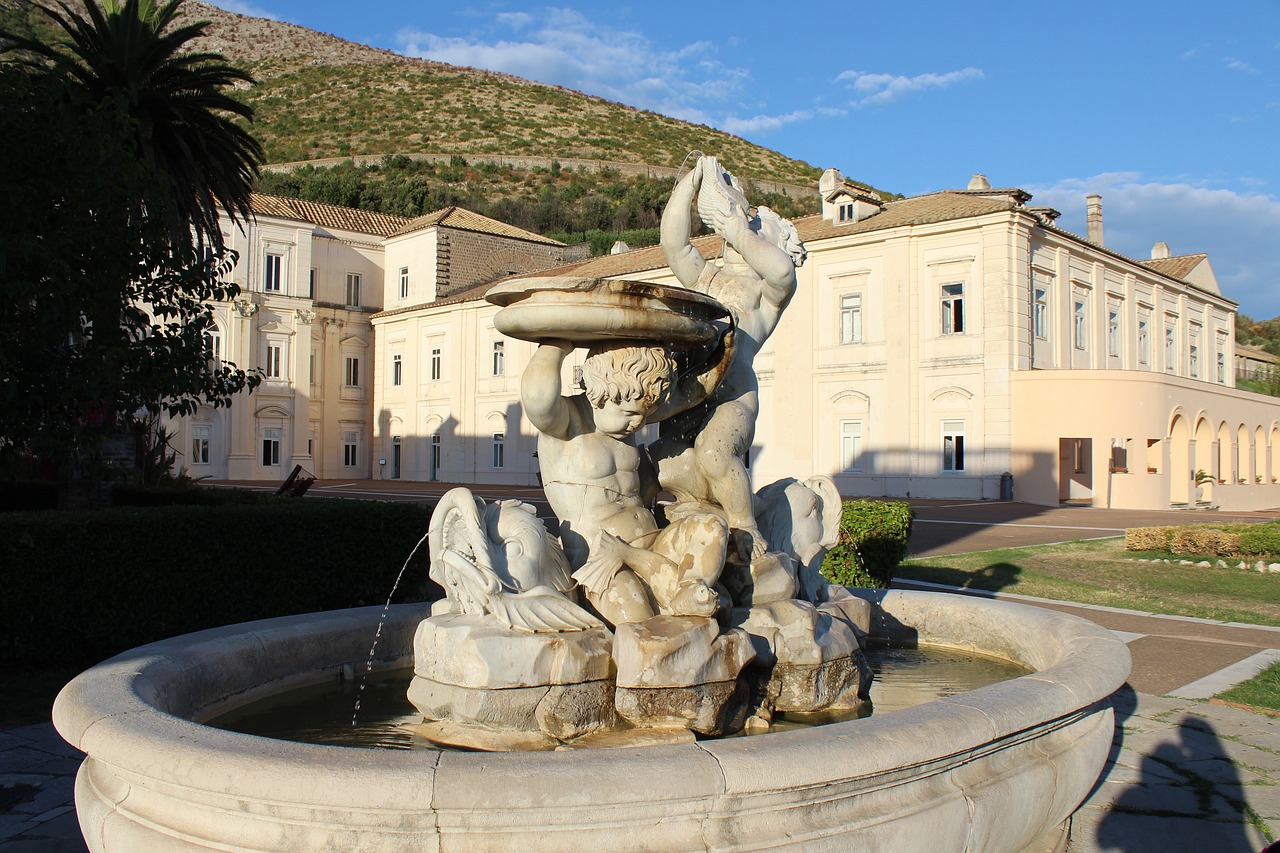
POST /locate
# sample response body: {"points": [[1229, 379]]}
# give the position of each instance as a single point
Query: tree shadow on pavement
{"points": [[1188, 795], [991, 578]]}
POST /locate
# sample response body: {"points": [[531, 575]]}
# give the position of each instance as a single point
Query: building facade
{"points": [[948, 345]]}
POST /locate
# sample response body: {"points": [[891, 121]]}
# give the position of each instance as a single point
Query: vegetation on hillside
{"points": [[1265, 335], [567, 204]]}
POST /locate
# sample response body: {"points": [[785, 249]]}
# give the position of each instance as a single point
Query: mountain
{"points": [[319, 96]]}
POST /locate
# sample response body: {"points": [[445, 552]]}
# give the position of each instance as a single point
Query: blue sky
{"points": [[1170, 111]]}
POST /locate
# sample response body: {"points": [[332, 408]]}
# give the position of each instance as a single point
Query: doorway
{"points": [[1075, 470]]}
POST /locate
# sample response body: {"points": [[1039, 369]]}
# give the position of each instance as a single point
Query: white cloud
{"points": [[240, 7], [873, 88], [563, 47], [1236, 228], [1239, 65]]}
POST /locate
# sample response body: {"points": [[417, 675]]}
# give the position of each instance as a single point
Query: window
{"points": [[274, 361], [1079, 326], [271, 447], [350, 447], [353, 371], [311, 284], [404, 282], [213, 349], [851, 318], [1222, 368], [435, 363], [353, 290], [953, 308], [435, 455], [200, 437], [846, 212], [311, 444], [1144, 340], [1040, 314], [271, 272], [499, 357], [1194, 353], [311, 368], [953, 445], [1170, 349], [851, 445], [499, 449], [397, 369], [1113, 332]]}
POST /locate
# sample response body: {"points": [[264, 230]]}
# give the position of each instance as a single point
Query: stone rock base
{"points": [[625, 738], [460, 736], [715, 708], [806, 660], [561, 711]]}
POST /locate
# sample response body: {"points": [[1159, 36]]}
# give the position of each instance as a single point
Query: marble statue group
{"points": [[640, 621]]}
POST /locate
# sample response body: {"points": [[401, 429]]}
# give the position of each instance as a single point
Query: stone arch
{"points": [[1226, 453], [1273, 454], [1244, 468], [851, 401], [1259, 455], [1204, 456]]}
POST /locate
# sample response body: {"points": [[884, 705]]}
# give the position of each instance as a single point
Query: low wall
{"points": [[997, 769]]}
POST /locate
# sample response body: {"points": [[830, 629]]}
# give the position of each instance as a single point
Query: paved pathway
{"points": [[1184, 774]]}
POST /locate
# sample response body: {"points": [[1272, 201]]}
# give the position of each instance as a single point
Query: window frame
{"points": [[851, 444], [271, 438], [851, 318], [350, 449], [273, 272], [437, 362], [404, 282], [397, 369], [351, 372], [951, 301], [499, 450], [499, 358], [273, 367], [354, 281], [201, 441], [953, 457]]}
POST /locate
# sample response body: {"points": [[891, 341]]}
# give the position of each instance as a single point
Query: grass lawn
{"points": [[1262, 691], [1102, 572]]}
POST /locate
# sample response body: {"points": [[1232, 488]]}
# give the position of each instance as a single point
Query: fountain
{"points": [[658, 630]]}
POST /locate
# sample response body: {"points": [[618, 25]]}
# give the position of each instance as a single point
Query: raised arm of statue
{"points": [[762, 252], [548, 411], [677, 227]]}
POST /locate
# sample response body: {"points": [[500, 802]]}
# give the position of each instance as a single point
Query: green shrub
{"points": [[1147, 538], [130, 494], [873, 540], [1260, 540], [80, 587]]}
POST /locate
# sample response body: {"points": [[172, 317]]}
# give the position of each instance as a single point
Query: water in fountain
{"points": [[377, 635]]}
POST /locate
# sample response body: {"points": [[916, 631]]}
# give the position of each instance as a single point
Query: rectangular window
{"points": [[953, 308], [1079, 324], [213, 346], [851, 318], [499, 449], [397, 369], [435, 364], [846, 212], [1040, 314], [353, 371], [953, 445], [1170, 350], [273, 366], [1222, 368], [311, 284], [200, 436], [404, 282], [350, 448], [1113, 332], [311, 368], [353, 290], [311, 444], [499, 357], [851, 445], [1144, 340], [1194, 353], [272, 272], [271, 447], [435, 456]]}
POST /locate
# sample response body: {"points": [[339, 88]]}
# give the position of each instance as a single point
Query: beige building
{"points": [[935, 344], [312, 277]]}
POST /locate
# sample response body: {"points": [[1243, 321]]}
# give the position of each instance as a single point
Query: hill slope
{"points": [[320, 96]]}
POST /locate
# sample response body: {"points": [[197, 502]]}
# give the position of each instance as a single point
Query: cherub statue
{"points": [[601, 485], [756, 283], [499, 560]]}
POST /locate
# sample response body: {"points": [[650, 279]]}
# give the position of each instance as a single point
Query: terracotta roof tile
{"points": [[1179, 266], [327, 215], [466, 220]]}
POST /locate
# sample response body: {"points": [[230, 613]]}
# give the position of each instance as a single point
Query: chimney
{"points": [[1160, 251], [979, 182], [1093, 204]]}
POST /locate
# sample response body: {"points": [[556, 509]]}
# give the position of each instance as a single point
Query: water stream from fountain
{"points": [[377, 635]]}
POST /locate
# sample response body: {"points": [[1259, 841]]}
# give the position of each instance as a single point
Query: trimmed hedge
{"points": [[80, 587], [1260, 540], [1147, 538], [874, 537], [1205, 540], [137, 495]]}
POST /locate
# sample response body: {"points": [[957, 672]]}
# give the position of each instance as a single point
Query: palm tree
{"points": [[125, 52]]}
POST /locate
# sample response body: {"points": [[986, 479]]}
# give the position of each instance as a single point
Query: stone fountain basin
{"points": [[1000, 768]]}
